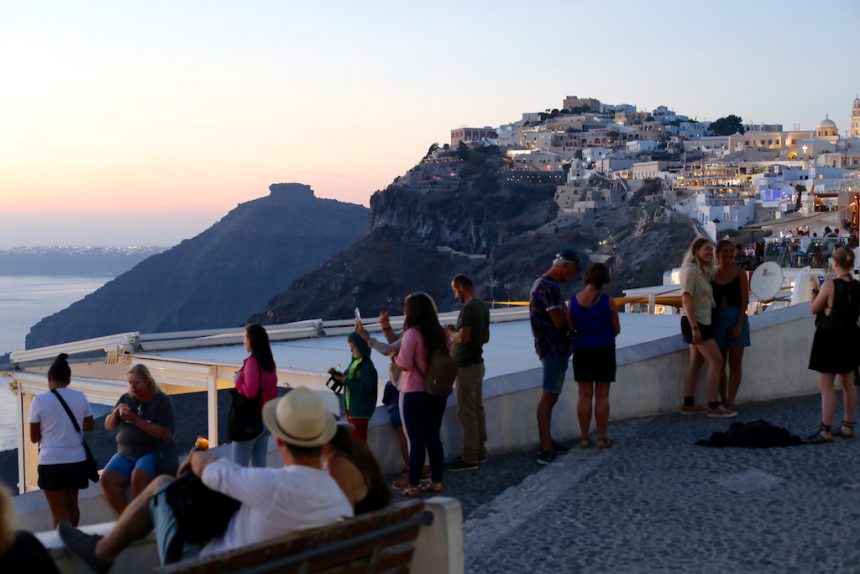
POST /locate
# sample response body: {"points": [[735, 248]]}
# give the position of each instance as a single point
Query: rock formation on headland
{"points": [[219, 277], [466, 211]]}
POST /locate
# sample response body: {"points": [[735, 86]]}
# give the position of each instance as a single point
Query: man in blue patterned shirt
{"points": [[548, 318]]}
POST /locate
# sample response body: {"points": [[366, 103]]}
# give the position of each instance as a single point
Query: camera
{"points": [[332, 383]]}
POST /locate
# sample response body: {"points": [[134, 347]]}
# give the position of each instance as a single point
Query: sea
{"points": [[24, 300]]}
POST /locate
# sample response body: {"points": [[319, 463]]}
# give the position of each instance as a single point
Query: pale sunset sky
{"points": [[131, 122]]}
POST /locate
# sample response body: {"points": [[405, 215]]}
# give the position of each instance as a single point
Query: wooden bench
{"points": [[381, 541]]}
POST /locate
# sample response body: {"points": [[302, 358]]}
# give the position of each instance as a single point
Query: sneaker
{"points": [[462, 465], [559, 448], [721, 413], [546, 457], [694, 410], [83, 546]]}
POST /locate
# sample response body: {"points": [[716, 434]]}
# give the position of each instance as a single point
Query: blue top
{"points": [[592, 325]]}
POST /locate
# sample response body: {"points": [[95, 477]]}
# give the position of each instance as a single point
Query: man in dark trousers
{"points": [[470, 335], [547, 313]]}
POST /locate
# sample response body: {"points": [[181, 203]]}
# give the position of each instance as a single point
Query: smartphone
{"points": [[821, 280], [357, 314]]}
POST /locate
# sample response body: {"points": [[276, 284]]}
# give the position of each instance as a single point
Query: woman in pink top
{"points": [[422, 414], [258, 368]]}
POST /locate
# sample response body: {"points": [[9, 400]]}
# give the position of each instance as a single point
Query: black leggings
{"points": [[422, 419]]}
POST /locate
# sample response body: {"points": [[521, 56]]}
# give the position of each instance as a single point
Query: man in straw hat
{"points": [[274, 501]]}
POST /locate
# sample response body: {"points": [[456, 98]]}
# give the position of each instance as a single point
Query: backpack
{"points": [[441, 373]]}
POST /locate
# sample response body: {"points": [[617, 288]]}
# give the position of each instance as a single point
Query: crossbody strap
{"points": [[68, 412]]}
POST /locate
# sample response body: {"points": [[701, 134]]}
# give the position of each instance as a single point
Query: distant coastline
{"points": [[101, 261], [27, 298]]}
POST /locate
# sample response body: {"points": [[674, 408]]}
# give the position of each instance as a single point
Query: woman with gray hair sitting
{"points": [[146, 421]]}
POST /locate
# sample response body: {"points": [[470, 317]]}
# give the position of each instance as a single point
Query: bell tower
{"points": [[855, 119]]}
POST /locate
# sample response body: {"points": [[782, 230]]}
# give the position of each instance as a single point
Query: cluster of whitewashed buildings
{"points": [[600, 154]]}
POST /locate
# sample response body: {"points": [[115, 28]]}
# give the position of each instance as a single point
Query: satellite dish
{"points": [[766, 281]]}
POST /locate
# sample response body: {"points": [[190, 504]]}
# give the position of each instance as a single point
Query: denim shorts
{"points": [[124, 465], [724, 320], [167, 539], [554, 370]]}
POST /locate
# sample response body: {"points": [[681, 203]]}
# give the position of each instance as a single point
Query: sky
{"points": [[132, 122]]}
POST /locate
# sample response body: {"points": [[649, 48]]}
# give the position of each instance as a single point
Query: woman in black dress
{"points": [[835, 346]]}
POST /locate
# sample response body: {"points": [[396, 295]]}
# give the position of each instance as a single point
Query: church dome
{"points": [[827, 123]]}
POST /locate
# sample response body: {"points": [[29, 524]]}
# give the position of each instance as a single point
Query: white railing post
{"points": [[212, 404], [19, 414]]}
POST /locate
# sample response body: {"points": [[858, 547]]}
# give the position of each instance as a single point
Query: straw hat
{"points": [[299, 418]]}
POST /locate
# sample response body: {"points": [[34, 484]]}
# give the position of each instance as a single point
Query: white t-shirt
{"points": [[275, 502], [60, 443]]}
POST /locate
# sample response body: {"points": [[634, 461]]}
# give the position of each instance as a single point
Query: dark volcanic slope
{"points": [[219, 277], [470, 216]]}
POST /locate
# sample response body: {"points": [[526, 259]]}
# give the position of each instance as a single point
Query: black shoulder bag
{"points": [[92, 465], [201, 513], [246, 418]]}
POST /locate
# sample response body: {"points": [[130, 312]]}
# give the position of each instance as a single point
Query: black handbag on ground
{"points": [[92, 465], [246, 418], [201, 513]]}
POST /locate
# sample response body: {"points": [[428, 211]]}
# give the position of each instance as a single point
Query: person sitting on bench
{"points": [[274, 501]]}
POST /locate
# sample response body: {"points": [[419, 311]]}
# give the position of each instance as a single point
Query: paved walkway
{"points": [[657, 503]]}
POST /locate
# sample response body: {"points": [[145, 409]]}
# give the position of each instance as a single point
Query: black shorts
{"points": [[63, 476], [707, 331], [595, 365]]}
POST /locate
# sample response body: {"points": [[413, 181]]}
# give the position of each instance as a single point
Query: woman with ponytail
{"points": [[62, 459]]}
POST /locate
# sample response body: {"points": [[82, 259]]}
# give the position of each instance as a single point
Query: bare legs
{"points": [[733, 358], [706, 351], [544, 419], [600, 393], [583, 407], [404, 446], [113, 485], [135, 522], [63, 505], [828, 398]]}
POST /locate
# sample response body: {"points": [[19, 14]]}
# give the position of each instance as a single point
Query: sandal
{"points": [[434, 487], [846, 430], [584, 442], [400, 482], [411, 492], [819, 438], [605, 442]]}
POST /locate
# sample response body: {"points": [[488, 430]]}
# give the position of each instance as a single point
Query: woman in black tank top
{"points": [[349, 461], [834, 348], [731, 326]]}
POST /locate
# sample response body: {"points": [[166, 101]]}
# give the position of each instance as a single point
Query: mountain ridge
{"points": [[221, 275]]}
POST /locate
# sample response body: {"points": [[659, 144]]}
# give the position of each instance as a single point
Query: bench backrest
{"points": [[380, 541]]}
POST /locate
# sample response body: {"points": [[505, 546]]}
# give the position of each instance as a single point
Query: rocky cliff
{"points": [[466, 211], [220, 277]]}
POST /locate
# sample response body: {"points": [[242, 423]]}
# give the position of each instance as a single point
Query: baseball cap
{"points": [[568, 255]]}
